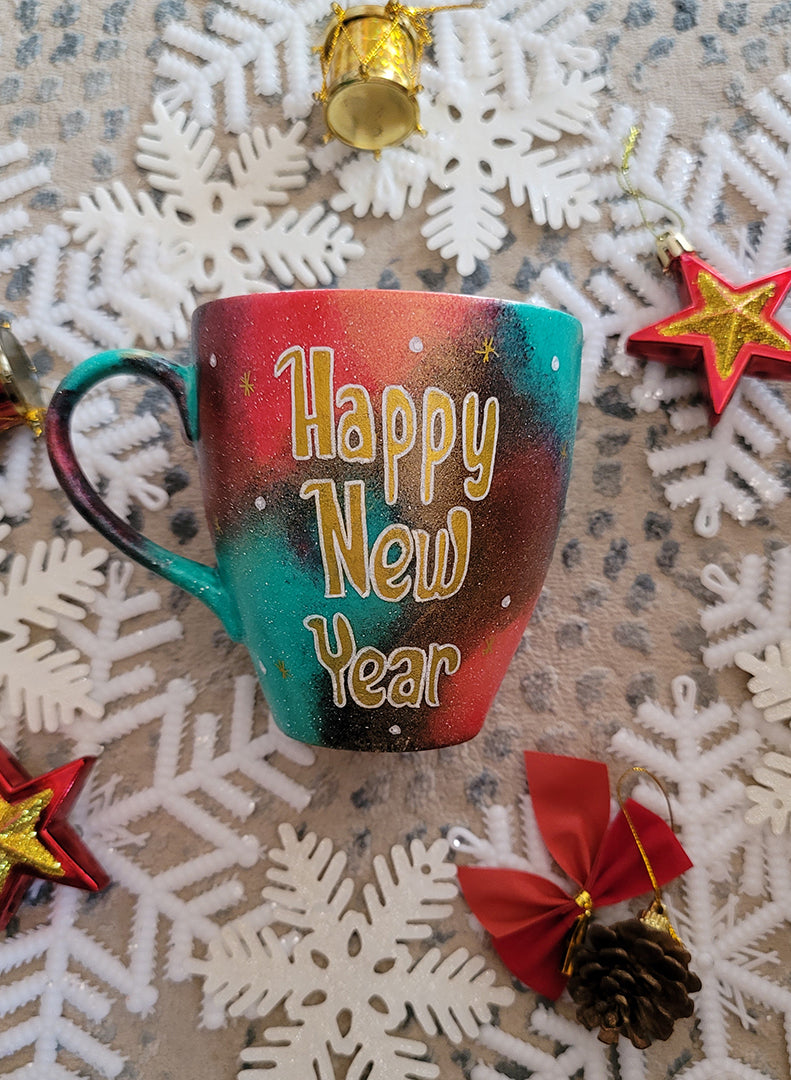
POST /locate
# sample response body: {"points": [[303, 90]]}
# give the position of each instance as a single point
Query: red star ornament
{"points": [[731, 328], [36, 840]]}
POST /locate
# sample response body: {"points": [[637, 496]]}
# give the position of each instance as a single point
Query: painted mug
{"points": [[383, 474]]}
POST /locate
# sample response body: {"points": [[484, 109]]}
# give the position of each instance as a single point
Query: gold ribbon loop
{"points": [[656, 915], [584, 900], [639, 195]]}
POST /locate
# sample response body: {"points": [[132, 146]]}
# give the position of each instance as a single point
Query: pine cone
{"points": [[631, 979]]}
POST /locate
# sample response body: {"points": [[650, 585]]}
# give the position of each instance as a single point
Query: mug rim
{"points": [[252, 298]]}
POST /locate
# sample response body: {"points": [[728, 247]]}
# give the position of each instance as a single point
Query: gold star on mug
{"points": [[487, 351], [246, 383]]}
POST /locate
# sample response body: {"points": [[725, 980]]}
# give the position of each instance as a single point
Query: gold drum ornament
{"points": [[370, 63]]}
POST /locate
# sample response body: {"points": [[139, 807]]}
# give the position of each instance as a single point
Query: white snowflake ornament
{"points": [[770, 684], [698, 753], [577, 1053], [47, 685], [756, 607], [14, 219], [772, 793], [500, 78], [208, 234], [719, 469], [480, 139], [275, 39], [121, 455], [722, 470], [477, 144], [60, 979], [347, 978]]}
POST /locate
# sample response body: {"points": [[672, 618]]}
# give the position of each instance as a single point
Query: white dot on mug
{"points": [[260, 503], [555, 363], [395, 730], [505, 602], [416, 344], [262, 666], [213, 360]]}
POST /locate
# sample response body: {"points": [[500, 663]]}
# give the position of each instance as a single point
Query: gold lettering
{"points": [[398, 411], [305, 424], [439, 657], [384, 574], [458, 531], [437, 406], [356, 440], [334, 662], [479, 456], [406, 688], [343, 541], [367, 669]]}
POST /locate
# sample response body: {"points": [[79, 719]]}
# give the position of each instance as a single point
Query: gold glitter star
{"points": [[281, 667], [731, 319], [18, 840], [487, 646], [246, 383], [488, 350]]}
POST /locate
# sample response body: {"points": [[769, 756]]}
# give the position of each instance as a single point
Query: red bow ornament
{"points": [[531, 918]]}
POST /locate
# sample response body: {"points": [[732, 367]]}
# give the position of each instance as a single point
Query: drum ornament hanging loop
{"points": [[370, 67]]}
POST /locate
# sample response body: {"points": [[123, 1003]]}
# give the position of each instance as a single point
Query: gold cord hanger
{"points": [[656, 915]]}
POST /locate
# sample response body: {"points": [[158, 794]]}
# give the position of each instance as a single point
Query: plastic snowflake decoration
{"points": [[320, 977], [273, 38], [770, 684], [578, 1053], [482, 120], [770, 687], [16, 465], [44, 683], [772, 792], [756, 607], [121, 454], [720, 468], [698, 755], [33, 266], [49, 1006], [502, 78], [105, 643], [207, 234], [15, 182], [129, 267]]}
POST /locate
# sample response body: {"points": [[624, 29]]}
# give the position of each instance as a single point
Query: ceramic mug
{"points": [[383, 474]]}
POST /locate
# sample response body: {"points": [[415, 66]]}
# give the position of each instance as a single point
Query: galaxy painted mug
{"points": [[383, 474]]}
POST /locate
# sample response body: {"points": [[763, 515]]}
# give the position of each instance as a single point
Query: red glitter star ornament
{"points": [[730, 328], [36, 840]]}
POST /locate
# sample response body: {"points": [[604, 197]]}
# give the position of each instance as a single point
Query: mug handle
{"points": [[203, 582]]}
